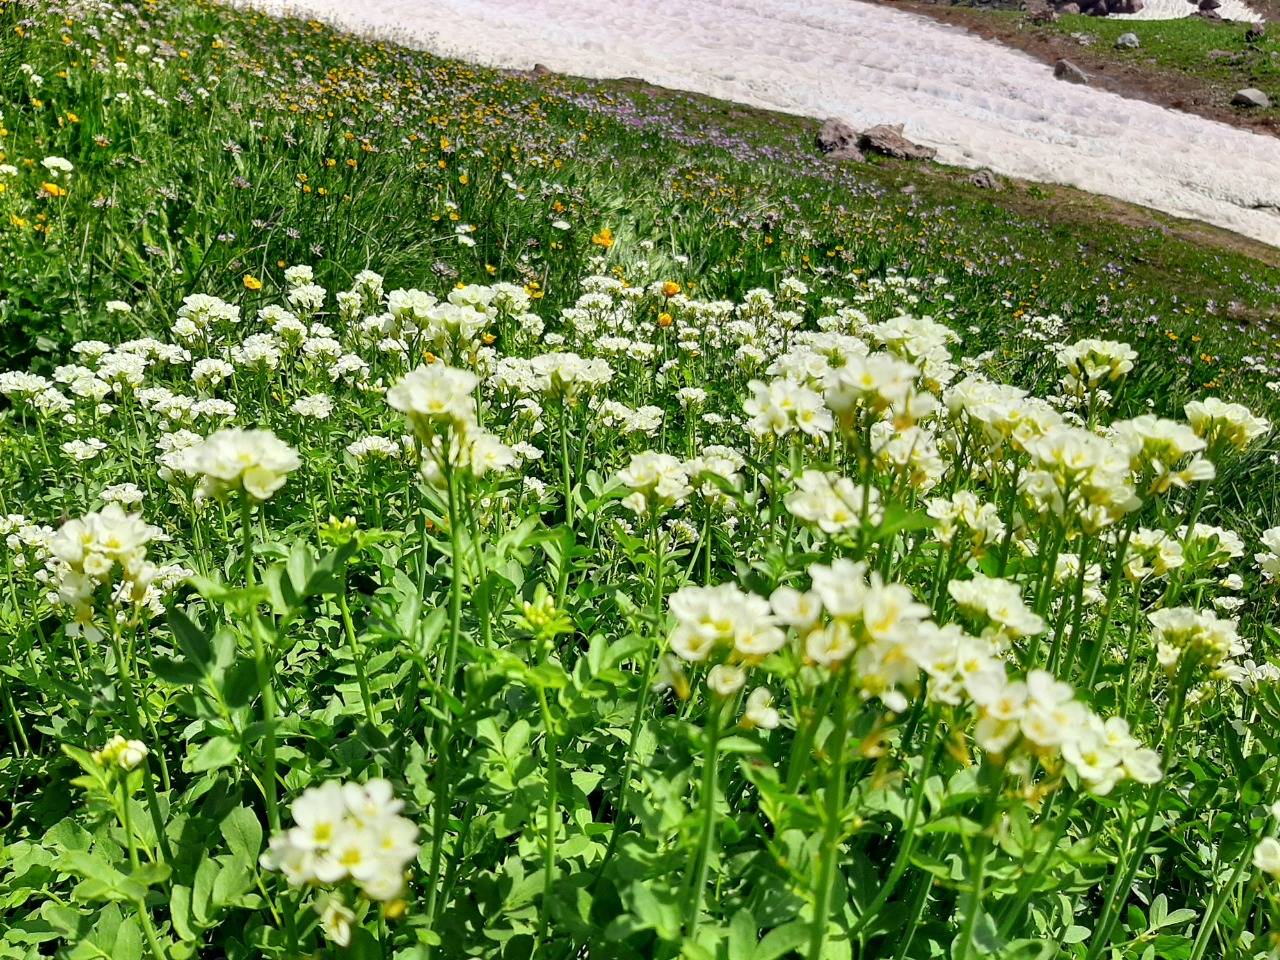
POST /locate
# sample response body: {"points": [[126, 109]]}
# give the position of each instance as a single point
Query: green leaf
{"points": [[782, 941], [202, 892], [1076, 934], [180, 912], [180, 673], [241, 684], [280, 590], [742, 936], [234, 880], [243, 833], [213, 754], [151, 874], [191, 640], [128, 941]]}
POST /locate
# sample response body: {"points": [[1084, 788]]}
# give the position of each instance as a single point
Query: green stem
{"points": [[442, 794], [544, 914], [348, 624], [832, 823], [1113, 591], [903, 858], [979, 877], [710, 770], [1210, 922], [263, 665], [1122, 879], [642, 705]]}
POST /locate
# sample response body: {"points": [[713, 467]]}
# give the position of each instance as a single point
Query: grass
{"points": [[714, 656], [1216, 53]]}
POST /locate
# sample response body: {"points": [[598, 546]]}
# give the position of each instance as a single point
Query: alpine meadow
{"points": [[461, 513]]}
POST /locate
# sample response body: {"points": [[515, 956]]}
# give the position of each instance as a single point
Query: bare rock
{"points": [[1069, 9], [1128, 41], [1209, 4], [838, 140], [1250, 97], [889, 141], [985, 180], [1068, 71], [541, 70], [1040, 12]]}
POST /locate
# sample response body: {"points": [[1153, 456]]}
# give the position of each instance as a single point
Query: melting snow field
{"points": [[980, 104]]}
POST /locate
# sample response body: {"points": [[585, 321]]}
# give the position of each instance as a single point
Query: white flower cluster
{"points": [[832, 503], [1269, 561], [1219, 422], [438, 401], [121, 754], [655, 480], [1212, 645], [346, 832], [106, 549], [254, 461], [854, 628], [1090, 363], [999, 603], [964, 518]]}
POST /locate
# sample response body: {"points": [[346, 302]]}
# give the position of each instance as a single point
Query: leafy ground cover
{"points": [[454, 514]]}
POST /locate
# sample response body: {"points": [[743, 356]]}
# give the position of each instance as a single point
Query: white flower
{"points": [[82, 450], [124, 494], [121, 753], [57, 165], [298, 275], [318, 406], [781, 406], [1266, 857], [722, 618], [1215, 421], [724, 680], [998, 600], [435, 394], [759, 710], [373, 448], [335, 919], [255, 461], [657, 479], [832, 502], [346, 832]]}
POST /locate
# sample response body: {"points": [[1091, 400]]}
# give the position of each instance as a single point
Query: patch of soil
{"points": [[1137, 81]]}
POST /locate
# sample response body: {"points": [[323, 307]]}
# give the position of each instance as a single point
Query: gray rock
{"points": [[1068, 71], [1250, 97], [1209, 4], [985, 180], [1128, 41], [1069, 9], [889, 141], [1040, 12], [838, 140]]}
